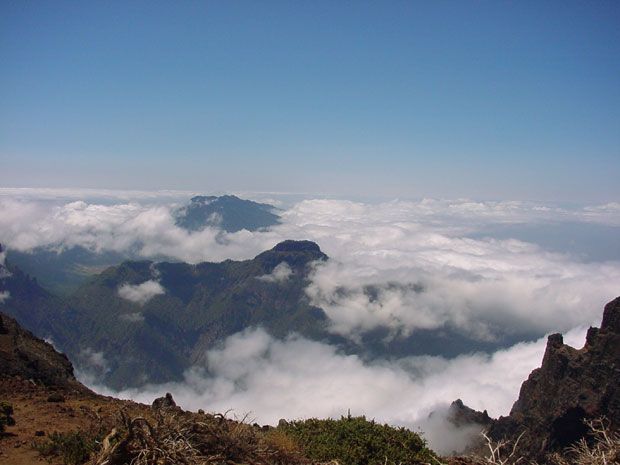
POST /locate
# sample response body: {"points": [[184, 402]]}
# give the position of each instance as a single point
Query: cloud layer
{"points": [[279, 274], [402, 265], [298, 378], [399, 265], [140, 293]]}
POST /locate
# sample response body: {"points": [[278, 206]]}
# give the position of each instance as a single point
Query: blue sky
{"points": [[476, 99]]}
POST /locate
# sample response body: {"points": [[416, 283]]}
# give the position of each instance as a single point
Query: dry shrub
{"points": [[283, 442], [177, 438], [601, 447], [503, 452]]}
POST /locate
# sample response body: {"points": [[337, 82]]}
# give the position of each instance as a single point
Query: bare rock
{"points": [[572, 385], [164, 402]]}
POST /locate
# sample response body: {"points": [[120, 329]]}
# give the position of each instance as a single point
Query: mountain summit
{"points": [[146, 321], [227, 212], [296, 254]]}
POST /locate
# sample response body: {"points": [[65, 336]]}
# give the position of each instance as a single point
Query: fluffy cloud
{"points": [[281, 273], [136, 317], [391, 269], [4, 272], [92, 361], [298, 378], [505, 288], [140, 293], [134, 228], [4, 295], [400, 264]]}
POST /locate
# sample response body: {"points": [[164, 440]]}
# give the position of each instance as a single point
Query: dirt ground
{"points": [[36, 417]]}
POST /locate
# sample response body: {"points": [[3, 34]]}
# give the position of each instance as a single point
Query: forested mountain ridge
{"points": [[145, 321]]}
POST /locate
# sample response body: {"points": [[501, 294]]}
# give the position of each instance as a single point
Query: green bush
{"points": [[73, 447], [357, 441], [6, 415]]}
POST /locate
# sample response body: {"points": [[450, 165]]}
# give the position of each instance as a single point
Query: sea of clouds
{"points": [[267, 379], [423, 261]]}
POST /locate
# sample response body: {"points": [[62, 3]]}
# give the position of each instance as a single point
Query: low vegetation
{"points": [[174, 437], [6, 415], [357, 441], [170, 436], [73, 448], [601, 447]]}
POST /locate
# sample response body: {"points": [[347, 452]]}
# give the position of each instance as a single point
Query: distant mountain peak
{"points": [[297, 246], [297, 254], [227, 212], [202, 199]]}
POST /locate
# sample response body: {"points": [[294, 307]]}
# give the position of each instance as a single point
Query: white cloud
{"points": [[147, 230], [4, 272], [136, 317], [389, 269], [381, 254], [214, 219], [281, 273], [141, 293], [446, 437], [4, 295], [297, 378], [484, 301], [50, 341], [93, 361]]}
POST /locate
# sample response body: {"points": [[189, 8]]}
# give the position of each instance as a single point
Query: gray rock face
{"points": [[460, 414], [572, 385]]}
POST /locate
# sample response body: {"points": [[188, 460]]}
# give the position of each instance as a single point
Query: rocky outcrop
{"points": [[164, 402], [572, 385], [460, 415], [24, 355]]}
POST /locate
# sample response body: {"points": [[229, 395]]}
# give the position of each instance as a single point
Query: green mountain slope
{"points": [[143, 321], [63, 271], [199, 306], [35, 308]]}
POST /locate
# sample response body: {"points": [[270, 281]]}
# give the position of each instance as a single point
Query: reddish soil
{"points": [[82, 410]]}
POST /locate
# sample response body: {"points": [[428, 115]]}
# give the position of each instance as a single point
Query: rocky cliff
{"points": [[24, 355], [572, 385]]}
